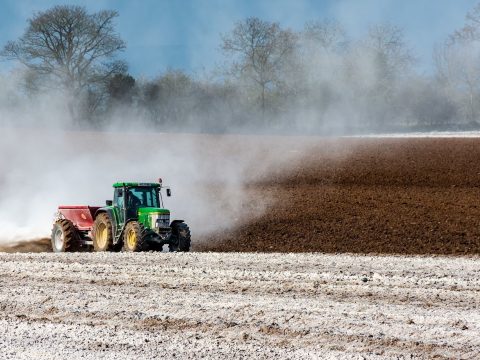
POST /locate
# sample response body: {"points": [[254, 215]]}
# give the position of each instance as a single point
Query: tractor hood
{"points": [[152, 211], [154, 217]]}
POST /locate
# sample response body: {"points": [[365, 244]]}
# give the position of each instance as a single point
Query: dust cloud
{"points": [[44, 164]]}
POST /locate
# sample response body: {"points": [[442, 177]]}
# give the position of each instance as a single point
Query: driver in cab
{"points": [[133, 200]]}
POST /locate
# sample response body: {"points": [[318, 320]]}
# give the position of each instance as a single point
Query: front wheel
{"points": [[134, 237], [180, 238]]}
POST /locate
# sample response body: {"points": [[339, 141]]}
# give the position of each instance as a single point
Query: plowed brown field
{"points": [[407, 196]]}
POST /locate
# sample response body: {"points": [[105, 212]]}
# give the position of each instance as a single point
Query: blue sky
{"points": [[185, 34]]}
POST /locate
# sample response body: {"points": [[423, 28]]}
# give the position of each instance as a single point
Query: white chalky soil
{"points": [[193, 305]]}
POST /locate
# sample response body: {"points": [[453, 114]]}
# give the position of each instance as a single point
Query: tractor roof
{"points": [[122, 184]]}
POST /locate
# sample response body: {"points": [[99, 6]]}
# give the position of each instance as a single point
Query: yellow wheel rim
{"points": [[131, 239], [101, 235]]}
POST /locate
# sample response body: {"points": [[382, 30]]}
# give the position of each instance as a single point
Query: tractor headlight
{"points": [[163, 221]]}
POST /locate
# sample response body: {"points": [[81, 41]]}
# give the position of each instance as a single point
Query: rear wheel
{"points": [[180, 237], [102, 233], [64, 237], [134, 238]]}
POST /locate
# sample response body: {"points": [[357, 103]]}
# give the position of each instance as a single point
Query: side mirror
{"points": [[169, 192], [109, 202]]}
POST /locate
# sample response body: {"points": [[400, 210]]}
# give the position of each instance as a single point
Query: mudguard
{"points": [[176, 222]]}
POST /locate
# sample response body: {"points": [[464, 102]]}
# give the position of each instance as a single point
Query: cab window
{"points": [[144, 196], [118, 198]]}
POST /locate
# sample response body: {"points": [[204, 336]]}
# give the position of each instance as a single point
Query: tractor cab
{"points": [[132, 197], [142, 202]]}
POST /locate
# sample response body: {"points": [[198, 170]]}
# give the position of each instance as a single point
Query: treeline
{"points": [[319, 79]]}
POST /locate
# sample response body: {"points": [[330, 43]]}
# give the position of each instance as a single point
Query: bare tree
{"points": [[471, 29], [391, 54], [458, 66], [70, 46], [120, 88], [170, 98], [261, 48], [318, 67], [382, 62], [327, 34]]}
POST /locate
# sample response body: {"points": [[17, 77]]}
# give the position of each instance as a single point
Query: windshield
{"points": [[143, 197]]}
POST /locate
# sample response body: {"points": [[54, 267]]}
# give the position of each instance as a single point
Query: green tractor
{"points": [[135, 220]]}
